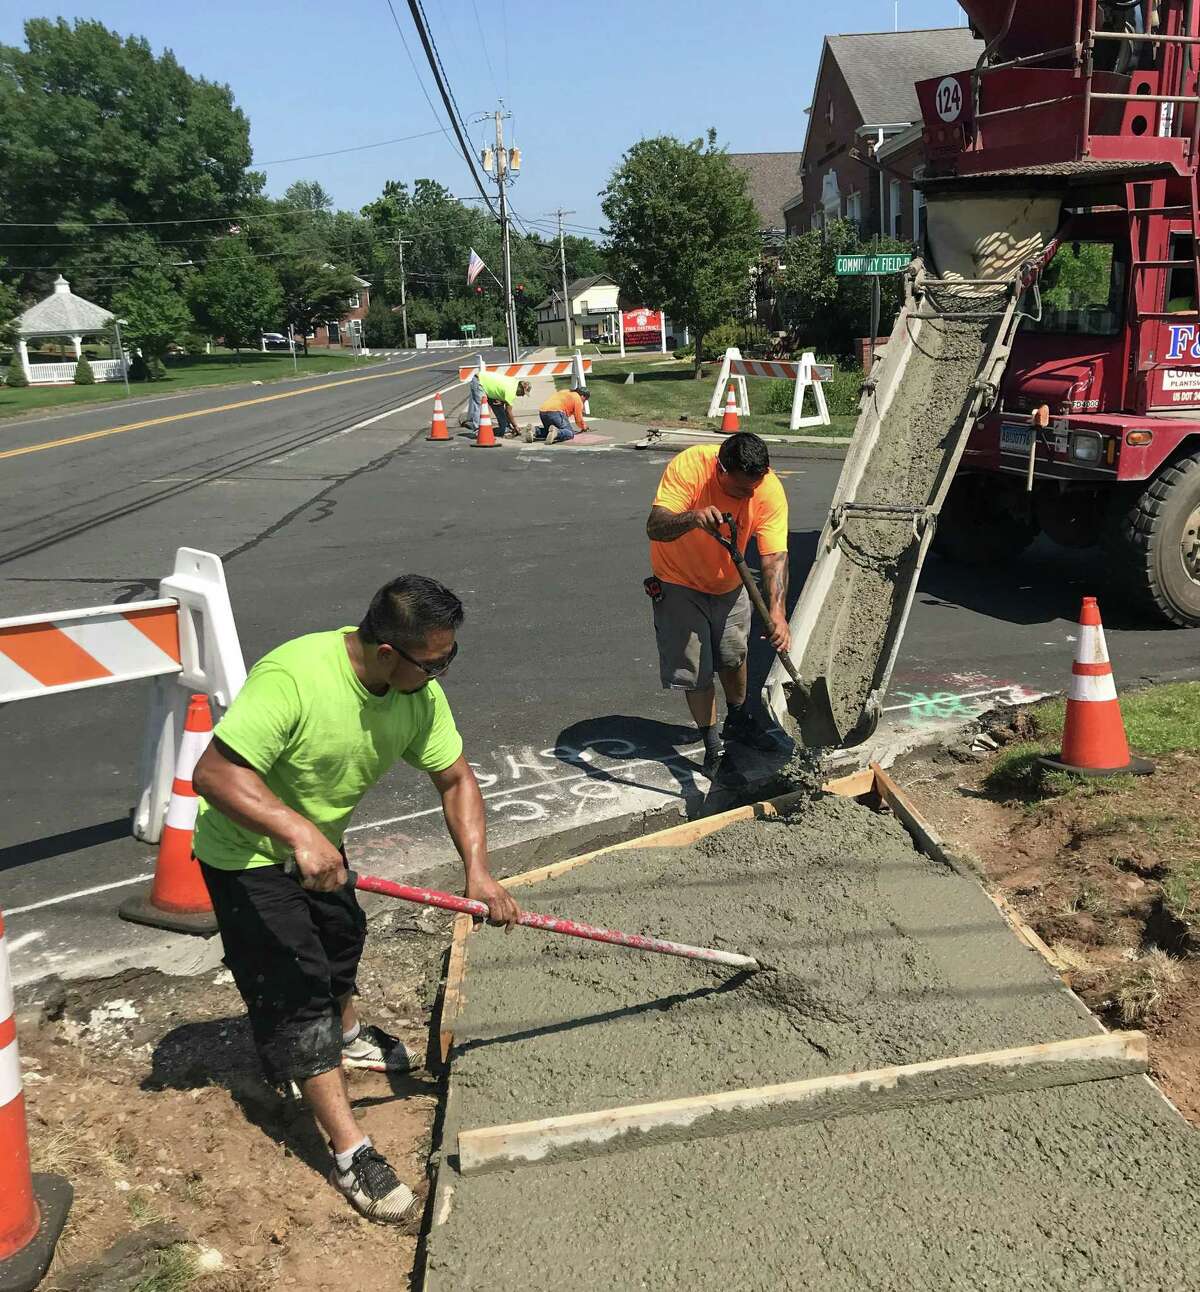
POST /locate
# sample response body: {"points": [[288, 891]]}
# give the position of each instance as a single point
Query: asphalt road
{"points": [[556, 685]]}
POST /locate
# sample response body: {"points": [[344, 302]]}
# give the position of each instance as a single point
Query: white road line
{"points": [[403, 408], [15, 944], [536, 785], [82, 892]]}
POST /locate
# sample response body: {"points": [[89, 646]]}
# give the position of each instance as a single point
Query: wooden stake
{"points": [[1027, 1067]]}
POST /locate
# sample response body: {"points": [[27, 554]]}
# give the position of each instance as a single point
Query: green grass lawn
{"points": [[184, 373], [668, 394], [1160, 720]]}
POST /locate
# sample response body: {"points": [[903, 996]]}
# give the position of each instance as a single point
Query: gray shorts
{"points": [[698, 633]]}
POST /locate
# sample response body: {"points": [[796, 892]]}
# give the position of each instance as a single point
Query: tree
{"points": [[84, 376], [10, 307], [236, 297], [312, 293], [16, 374], [98, 128], [829, 311], [683, 234], [152, 313]]}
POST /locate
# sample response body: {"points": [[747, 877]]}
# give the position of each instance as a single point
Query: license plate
{"points": [[1015, 439]]}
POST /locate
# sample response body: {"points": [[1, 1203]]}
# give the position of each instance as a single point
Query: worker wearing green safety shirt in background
{"points": [[501, 393], [318, 722]]}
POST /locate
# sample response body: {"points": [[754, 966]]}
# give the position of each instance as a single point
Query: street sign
{"points": [[468, 329], [894, 263]]}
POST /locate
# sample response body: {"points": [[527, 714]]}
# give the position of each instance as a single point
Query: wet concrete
{"points": [[878, 956], [867, 598]]}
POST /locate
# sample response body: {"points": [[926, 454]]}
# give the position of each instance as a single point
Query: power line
{"points": [[358, 148], [237, 216], [416, 73], [443, 89], [483, 43]]}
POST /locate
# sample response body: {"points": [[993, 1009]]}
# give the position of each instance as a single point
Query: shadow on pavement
{"points": [[58, 845]]}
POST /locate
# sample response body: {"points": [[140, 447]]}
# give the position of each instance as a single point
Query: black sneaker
{"points": [[375, 1050], [746, 729], [713, 749], [374, 1189]]}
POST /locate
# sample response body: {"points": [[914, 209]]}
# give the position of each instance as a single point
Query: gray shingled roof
{"points": [[63, 313], [771, 180], [881, 67]]}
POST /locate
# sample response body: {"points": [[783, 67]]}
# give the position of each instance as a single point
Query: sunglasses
{"points": [[432, 669]]}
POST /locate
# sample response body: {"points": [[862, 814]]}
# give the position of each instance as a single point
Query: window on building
{"points": [[894, 207], [918, 217], [352, 301], [854, 207]]}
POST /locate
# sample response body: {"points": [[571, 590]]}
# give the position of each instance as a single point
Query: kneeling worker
{"points": [[555, 415], [501, 391], [319, 720], [701, 610]]}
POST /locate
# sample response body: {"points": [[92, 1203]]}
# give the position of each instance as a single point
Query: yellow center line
{"points": [[205, 412]]}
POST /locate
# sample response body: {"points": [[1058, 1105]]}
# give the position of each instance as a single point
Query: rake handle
{"points": [[552, 923]]}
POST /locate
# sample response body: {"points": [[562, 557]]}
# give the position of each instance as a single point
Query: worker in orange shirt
{"points": [[701, 610], [556, 414]]}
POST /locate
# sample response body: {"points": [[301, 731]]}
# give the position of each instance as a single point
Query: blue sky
{"points": [[583, 81]]}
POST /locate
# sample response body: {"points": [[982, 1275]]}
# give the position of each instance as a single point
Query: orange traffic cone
{"points": [[730, 423], [1094, 742], [486, 438], [178, 899], [438, 431], [33, 1208]]}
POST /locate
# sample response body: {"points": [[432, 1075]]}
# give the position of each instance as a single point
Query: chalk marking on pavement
{"points": [[680, 755], [82, 892], [206, 412]]}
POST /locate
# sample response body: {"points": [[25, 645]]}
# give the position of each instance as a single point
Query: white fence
{"points": [[47, 374], [465, 343]]}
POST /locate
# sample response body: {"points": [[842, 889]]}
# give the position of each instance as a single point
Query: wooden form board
{"points": [[676, 836], [970, 1076]]}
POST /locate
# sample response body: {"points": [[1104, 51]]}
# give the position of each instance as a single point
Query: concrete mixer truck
{"points": [[1043, 374]]}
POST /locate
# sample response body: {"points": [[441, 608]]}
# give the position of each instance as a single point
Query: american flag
{"points": [[475, 267]]}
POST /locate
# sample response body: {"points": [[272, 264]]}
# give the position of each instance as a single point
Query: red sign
{"points": [[642, 327]]}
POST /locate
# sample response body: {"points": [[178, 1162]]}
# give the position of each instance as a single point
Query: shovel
{"points": [[809, 707]]}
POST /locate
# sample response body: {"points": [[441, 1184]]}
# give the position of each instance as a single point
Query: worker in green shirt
{"points": [[319, 720], [501, 392]]}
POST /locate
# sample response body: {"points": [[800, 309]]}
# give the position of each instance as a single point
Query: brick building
{"points": [[865, 98], [343, 330]]}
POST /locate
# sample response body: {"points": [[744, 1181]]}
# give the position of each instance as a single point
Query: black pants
{"points": [[294, 955]]}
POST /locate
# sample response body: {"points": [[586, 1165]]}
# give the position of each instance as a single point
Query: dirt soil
{"points": [[145, 1092], [1090, 872]]}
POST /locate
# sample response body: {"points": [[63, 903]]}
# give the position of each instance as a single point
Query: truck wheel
{"points": [[977, 524], [1155, 544]]}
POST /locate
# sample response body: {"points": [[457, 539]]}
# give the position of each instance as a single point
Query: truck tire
{"points": [[1154, 544], [976, 527]]}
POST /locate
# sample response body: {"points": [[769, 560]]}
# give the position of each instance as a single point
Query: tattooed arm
{"points": [[775, 582]]}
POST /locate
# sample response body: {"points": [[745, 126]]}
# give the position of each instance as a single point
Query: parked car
{"points": [[275, 341]]}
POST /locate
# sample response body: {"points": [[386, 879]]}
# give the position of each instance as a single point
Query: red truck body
{"points": [[1096, 102]]}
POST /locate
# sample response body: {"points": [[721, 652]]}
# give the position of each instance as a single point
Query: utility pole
{"points": [[503, 166], [400, 245], [562, 261]]}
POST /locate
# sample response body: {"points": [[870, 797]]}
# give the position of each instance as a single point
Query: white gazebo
{"points": [[63, 313]]}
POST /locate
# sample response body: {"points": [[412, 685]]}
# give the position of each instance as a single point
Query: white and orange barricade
{"points": [[185, 640], [804, 373], [1094, 741], [33, 1208], [577, 367]]}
